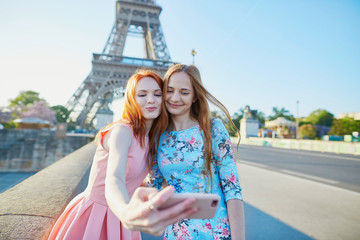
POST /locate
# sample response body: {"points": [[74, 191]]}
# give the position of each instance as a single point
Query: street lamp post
{"points": [[193, 53], [297, 119]]}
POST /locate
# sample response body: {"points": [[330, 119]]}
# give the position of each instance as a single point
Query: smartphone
{"points": [[206, 203]]}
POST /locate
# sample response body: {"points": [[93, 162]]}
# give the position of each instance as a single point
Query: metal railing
{"points": [[131, 60]]}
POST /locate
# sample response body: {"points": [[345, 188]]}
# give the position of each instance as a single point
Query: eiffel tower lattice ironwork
{"points": [[110, 69]]}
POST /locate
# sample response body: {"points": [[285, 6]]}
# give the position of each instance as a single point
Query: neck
{"points": [[183, 122], [148, 126]]}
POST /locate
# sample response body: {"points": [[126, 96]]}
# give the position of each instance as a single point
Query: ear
{"points": [[195, 99]]}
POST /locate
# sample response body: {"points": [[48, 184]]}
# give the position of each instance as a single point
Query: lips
{"points": [[174, 105], [151, 109]]}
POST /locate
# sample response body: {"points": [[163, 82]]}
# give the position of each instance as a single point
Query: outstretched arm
{"points": [[118, 142], [137, 213]]}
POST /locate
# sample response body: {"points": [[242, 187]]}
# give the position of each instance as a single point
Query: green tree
{"points": [[307, 131], [344, 126], [260, 116], [337, 128], [62, 113], [237, 117], [321, 117], [20, 104], [281, 113], [25, 98]]}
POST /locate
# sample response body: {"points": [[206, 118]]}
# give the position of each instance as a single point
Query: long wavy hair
{"points": [[132, 113], [200, 110]]}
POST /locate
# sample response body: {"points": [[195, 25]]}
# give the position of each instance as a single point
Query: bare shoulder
{"points": [[119, 134]]}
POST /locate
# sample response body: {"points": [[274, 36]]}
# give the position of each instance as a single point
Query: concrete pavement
{"points": [[315, 209], [282, 206]]}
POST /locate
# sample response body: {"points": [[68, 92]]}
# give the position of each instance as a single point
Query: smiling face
{"points": [[180, 95], [148, 96]]}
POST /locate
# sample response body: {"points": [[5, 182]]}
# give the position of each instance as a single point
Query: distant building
{"points": [[32, 123], [282, 127], [249, 124], [354, 115]]}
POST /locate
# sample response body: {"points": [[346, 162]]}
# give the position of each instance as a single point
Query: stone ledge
{"points": [[29, 210]]}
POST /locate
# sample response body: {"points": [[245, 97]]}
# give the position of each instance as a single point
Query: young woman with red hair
{"points": [[113, 206]]}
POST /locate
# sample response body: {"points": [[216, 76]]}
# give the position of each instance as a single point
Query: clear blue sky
{"points": [[257, 53]]}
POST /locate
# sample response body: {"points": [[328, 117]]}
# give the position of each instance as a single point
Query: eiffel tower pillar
{"points": [[111, 69]]}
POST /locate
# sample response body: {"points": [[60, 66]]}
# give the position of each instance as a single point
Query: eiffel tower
{"points": [[111, 69]]}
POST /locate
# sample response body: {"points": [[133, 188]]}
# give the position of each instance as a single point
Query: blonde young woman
{"points": [[113, 206], [195, 156]]}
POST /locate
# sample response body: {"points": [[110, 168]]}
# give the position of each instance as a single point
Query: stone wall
{"points": [[33, 150], [29, 210]]}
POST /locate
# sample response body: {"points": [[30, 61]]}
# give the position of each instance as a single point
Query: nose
{"points": [[151, 98], [175, 96]]}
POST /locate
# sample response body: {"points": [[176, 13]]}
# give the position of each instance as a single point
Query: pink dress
{"points": [[88, 215]]}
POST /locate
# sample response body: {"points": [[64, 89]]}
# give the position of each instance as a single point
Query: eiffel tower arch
{"points": [[111, 69]]}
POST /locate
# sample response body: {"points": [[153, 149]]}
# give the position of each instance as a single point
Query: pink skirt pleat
{"points": [[85, 219]]}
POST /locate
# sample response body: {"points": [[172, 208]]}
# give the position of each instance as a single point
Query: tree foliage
{"points": [[25, 98], [344, 126], [281, 113], [321, 117], [20, 104], [260, 116], [307, 131], [62, 113], [237, 117], [40, 110]]}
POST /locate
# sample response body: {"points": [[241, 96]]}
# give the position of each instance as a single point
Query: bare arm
{"points": [[118, 142], [236, 218], [136, 213]]}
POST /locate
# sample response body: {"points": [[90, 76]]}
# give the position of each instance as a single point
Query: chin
{"points": [[152, 116]]}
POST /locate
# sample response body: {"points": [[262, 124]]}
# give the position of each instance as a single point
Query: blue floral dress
{"points": [[181, 163]]}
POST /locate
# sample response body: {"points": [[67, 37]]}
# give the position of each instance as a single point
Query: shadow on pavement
{"points": [[260, 226]]}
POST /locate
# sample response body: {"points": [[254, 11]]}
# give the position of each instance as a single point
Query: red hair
{"points": [[132, 112]]}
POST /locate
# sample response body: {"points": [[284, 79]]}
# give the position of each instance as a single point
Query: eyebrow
{"points": [[181, 88], [143, 90]]}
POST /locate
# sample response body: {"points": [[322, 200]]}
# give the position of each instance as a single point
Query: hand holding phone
{"points": [[206, 203]]}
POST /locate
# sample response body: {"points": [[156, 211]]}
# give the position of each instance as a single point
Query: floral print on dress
{"points": [[180, 161]]}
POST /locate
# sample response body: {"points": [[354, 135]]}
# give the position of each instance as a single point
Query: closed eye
{"points": [[158, 93]]}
